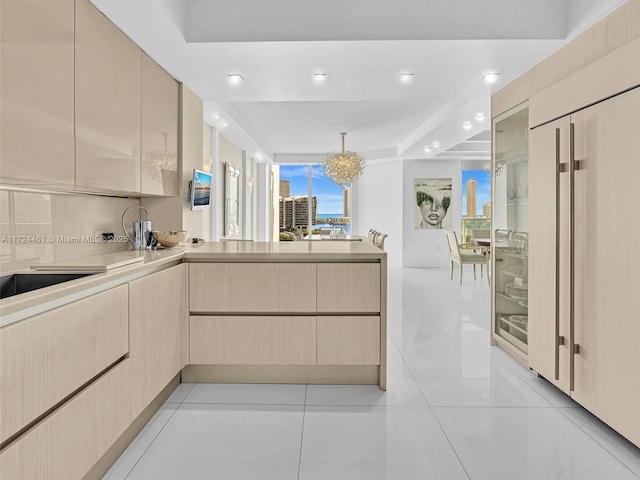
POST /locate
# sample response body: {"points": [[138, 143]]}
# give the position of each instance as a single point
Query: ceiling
{"points": [[278, 113]]}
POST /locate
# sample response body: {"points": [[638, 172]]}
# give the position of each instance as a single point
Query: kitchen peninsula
{"points": [[107, 349]]}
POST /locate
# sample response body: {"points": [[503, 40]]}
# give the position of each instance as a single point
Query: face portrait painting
{"points": [[432, 199]]}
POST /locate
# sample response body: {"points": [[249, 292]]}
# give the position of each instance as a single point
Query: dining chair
{"points": [[462, 258], [379, 240]]}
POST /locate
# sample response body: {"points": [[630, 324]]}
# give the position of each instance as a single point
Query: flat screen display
{"points": [[200, 190]]}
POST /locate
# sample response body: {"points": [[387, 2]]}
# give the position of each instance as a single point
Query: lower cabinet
{"points": [[67, 347], [348, 340], [157, 308], [253, 340], [68, 443], [68, 398], [284, 340], [295, 322]]}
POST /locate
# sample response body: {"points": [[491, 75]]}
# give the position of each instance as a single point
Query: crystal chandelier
{"points": [[345, 167]]}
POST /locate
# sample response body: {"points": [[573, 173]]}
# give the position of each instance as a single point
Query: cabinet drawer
{"points": [[349, 287], [348, 340], [252, 287], [253, 340], [67, 347], [70, 441]]}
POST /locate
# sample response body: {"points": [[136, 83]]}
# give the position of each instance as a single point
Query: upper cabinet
{"points": [[107, 104], [160, 100], [36, 92], [82, 107]]}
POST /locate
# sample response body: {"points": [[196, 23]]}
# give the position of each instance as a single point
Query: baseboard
{"points": [[301, 374]]}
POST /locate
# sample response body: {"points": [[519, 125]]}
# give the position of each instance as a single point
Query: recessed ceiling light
{"points": [[435, 144], [235, 78], [223, 124], [480, 117], [467, 125], [215, 116], [490, 77], [406, 77], [320, 77], [427, 149], [258, 156]]}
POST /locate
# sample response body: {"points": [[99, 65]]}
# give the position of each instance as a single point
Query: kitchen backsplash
{"points": [[57, 225]]}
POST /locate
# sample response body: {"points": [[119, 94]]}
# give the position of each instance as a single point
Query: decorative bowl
{"points": [[169, 239]]}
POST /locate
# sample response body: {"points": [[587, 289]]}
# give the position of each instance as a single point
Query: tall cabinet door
{"points": [[549, 252], [157, 310], [607, 261], [160, 96], [36, 92], [107, 104]]}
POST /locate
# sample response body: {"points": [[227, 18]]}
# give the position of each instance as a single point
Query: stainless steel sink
{"points": [[18, 283]]}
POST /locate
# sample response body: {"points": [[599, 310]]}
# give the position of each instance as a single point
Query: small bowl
{"points": [[169, 239]]}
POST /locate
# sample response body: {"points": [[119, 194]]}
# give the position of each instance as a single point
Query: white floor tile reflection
{"points": [[455, 408], [376, 443], [526, 443]]}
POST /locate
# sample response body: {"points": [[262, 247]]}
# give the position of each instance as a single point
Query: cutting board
{"points": [[91, 263]]}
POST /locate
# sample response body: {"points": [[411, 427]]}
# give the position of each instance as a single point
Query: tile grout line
{"points": [[436, 418], [152, 440], [160, 431], [304, 411], [595, 440]]}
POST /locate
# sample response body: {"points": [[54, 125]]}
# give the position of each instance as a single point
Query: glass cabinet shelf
{"points": [[510, 208]]}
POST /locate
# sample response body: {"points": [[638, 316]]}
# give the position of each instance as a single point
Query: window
{"points": [[308, 197], [476, 201]]}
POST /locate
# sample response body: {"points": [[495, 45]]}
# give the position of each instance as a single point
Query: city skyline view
{"points": [[483, 189], [330, 196]]}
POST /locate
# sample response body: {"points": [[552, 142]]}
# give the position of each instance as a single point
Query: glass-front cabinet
{"points": [[510, 238]]}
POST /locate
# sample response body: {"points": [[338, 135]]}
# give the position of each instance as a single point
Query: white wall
{"points": [[427, 248], [377, 204]]}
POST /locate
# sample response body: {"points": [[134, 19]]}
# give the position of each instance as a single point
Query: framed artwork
{"points": [[432, 200], [232, 200]]}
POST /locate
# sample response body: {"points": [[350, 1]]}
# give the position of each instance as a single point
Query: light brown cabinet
{"points": [[157, 309], [287, 322], [348, 287], [159, 123], [107, 104], [36, 92], [70, 441], [348, 340], [66, 348], [549, 251], [589, 330], [252, 287], [253, 340]]}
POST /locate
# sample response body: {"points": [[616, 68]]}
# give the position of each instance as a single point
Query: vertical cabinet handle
{"points": [[559, 169], [572, 345]]}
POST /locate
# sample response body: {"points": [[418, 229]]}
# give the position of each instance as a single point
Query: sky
{"points": [[483, 189], [330, 196]]}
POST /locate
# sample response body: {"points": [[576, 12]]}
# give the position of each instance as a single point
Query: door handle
{"points": [[573, 347], [560, 168]]}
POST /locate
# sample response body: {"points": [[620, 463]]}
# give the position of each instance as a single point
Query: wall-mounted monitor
{"points": [[200, 190]]}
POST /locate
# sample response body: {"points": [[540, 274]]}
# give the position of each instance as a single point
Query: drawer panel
{"points": [[252, 287], [349, 287], [348, 340], [253, 340], [72, 439], [67, 347]]}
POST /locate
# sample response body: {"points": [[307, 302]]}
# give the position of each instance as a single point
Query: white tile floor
{"points": [[455, 408]]}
